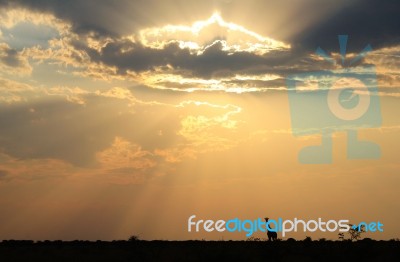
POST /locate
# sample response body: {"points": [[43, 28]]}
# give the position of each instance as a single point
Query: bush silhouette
{"points": [[133, 238]]}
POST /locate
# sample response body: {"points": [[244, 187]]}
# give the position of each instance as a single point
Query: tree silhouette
{"points": [[341, 236], [355, 232], [133, 238]]}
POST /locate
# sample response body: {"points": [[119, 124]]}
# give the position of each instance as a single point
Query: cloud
{"points": [[83, 17], [158, 58], [123, 17], [222, 49], [23, 48], [72, 94], [12, 15], [209, 54], [13, 91], [207, 128], [12, 168], [79, 124], [387, 63], [57, 129], [122, 155], [126, 162], [126, 56], [13, 62]]}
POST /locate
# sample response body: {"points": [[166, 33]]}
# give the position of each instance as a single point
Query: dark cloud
{"points": [[366, 21], [115, 18], [141, 58], [374, 22], [10, 57], [84, 15], [369, 21], [213, 62]]}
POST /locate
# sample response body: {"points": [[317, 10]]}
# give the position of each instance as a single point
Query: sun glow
{"points": [[202, 34]]}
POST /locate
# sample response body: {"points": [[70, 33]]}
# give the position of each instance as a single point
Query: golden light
{"points": [[202, 34]]}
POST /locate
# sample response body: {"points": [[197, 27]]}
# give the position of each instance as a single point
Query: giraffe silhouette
{"points": [[272, 236]]}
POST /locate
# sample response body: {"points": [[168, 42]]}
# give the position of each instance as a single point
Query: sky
{"points": [[122, 118]]}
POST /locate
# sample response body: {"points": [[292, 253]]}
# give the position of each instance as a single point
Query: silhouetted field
{"points": [[200, 251]]}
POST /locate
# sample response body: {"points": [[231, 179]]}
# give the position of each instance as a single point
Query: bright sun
{"points": [[202, 34], [199, 37]]}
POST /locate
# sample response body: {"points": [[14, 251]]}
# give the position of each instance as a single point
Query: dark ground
{"points": [[200, 251]]}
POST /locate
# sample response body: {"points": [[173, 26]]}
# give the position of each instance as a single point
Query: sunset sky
{"points": [[122, 118]]}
